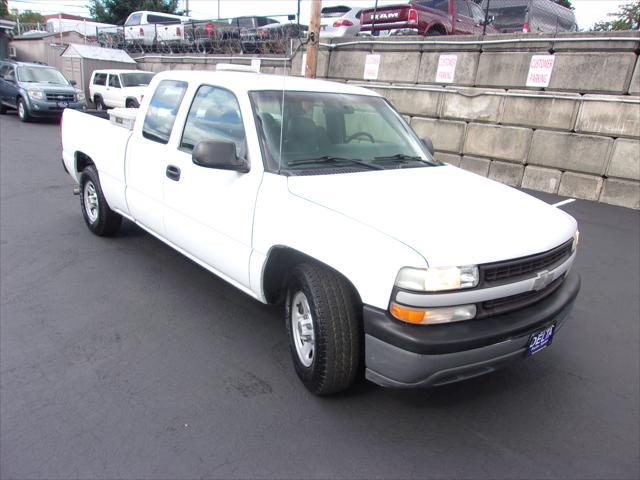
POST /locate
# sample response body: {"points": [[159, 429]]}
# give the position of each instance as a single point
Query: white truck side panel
{"points": [[368, 258], [108, 156]]}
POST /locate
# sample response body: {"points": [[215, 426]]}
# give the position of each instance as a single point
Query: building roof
{"points": [[6, 24], [78, 50], [38, 35], [66, 16]]}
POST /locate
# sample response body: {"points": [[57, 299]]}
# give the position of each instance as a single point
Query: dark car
{"points": [[426, 17], [531, 16], [36, 90]]}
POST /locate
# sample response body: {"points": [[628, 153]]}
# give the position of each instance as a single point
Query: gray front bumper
{"points": [[431, 364]]}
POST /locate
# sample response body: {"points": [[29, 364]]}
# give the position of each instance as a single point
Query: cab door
{"points": [[113, 92], [209, 212], [464, 23], [148, 155]]}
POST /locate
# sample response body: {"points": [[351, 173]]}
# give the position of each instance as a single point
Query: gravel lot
{"points": [[121, 358]]}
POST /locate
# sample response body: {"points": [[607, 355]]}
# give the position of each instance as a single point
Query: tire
{"points": [[131, 103], [99, 103], [322, 314], [100, 219], [434, 33], [23, 111], [3, 109]]}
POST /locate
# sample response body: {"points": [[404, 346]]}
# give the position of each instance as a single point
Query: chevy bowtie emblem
{"points": [[543, 279]]}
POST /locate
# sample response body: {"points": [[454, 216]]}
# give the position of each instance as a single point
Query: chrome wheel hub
{"points": [[302, 329], [91, 201]]}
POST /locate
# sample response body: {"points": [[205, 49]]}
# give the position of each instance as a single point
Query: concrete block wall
{"points": [[579, 137], [561, 145]]}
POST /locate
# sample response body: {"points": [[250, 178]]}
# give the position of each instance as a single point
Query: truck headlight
{"points": [[35, 94], [576, 240], [437, 278], [432, 316], [80, 96]]}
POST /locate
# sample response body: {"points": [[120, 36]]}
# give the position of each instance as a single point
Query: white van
{"points": [[148, 28], [118, 88]]}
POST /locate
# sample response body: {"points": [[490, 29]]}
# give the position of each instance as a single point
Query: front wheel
{"points": [[324, 329], [100, 219], [23, 111]]}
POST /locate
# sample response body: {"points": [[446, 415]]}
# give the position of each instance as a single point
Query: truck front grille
{"points": [[515, 302], [60, 97], [511, 270]]}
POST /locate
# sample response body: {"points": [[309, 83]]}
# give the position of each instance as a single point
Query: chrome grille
{"points": [[510, 270], [60, 97]]}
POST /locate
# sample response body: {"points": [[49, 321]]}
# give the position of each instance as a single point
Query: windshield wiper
{"points": [[400, 157], [328, 158]]}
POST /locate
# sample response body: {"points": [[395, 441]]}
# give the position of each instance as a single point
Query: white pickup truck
{"points": [[320, 195]]}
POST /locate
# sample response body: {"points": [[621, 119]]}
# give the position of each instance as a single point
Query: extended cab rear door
{"points": [[209, 212], [148, 155]]}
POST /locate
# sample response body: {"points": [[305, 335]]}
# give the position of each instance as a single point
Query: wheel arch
{"points": [[281, 259], [82, 161], [437, 27]]}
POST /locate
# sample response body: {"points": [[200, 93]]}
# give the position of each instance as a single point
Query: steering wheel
{"points": [[361, 134]]}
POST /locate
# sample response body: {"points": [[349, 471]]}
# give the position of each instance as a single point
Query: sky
{"points": [[587, 11]]}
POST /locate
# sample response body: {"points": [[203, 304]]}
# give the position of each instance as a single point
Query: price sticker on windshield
{"points": [[371, 67], [446, 68], [540, 70]]}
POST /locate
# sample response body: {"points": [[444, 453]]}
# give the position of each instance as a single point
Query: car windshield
{"points": [[41, 75], [136, 79], [316, 130]]}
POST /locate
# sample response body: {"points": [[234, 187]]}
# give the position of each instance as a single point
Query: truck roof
{"points": [[248, 81]]}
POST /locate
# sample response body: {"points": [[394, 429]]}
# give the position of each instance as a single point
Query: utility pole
{"points": [[314, 40], [186, 8]]}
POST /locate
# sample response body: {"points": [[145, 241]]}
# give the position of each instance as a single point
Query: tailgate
{"points": [[386, 14]]}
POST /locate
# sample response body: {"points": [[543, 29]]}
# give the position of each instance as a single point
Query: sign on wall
{"points": [[540, 70], [304, 64], [255, 64], [446, 68], [371, 67]]}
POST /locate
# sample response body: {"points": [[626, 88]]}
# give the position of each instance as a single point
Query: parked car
{"points": [[531, 16], [36, 90], [340, 21], [150, 28], [426, 17], [320, 196], [272, 38], [118, 88]]}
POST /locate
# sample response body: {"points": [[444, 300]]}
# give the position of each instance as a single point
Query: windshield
{"points": [[41, 75], [136, 79], [322, 130]]}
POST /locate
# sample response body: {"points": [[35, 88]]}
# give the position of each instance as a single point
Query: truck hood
{"points": [[449, 216], [48, 87]]}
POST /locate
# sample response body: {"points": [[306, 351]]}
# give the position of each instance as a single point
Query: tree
{"points": [[28, 16], [627, 18], [565, 3], [117, 11]]}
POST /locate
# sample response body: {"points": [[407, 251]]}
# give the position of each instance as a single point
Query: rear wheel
{"points": [[100, 219], [131, 103], [324, 329], [99, 103], [23, 111], [434, 33]]}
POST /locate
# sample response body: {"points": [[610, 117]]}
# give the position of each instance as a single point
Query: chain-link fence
{"points": [[223, 36]]}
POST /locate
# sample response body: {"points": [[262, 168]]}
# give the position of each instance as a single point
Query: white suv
{"points": [[118, 88]]}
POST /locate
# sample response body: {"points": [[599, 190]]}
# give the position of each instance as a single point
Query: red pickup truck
{"points": [[426, 17]]}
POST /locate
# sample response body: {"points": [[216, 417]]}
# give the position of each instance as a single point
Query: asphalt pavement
{"points": [[120, 358]]}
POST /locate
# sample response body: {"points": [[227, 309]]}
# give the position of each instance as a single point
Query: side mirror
{"points": [[428, 145], [73, 83], [219, 154]]}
